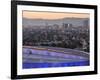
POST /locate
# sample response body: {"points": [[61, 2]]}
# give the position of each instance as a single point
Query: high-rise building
{"points": [[67, 25]]}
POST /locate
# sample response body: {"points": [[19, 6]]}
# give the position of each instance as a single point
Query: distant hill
{"points": [[42, 22]]}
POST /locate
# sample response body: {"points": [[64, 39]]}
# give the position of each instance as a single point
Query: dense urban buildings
{"points": [[66, 34]]}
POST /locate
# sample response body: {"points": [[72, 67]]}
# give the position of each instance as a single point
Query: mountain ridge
{"points": [[37, 22]]}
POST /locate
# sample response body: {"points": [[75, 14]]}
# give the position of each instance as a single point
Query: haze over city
{"points": [[53, 15]]}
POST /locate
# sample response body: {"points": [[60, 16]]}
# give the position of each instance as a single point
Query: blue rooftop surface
{"points": [[48, 65], [36, 57]]}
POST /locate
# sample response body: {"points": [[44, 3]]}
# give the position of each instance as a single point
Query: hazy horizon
{"points": [[52, 15]]}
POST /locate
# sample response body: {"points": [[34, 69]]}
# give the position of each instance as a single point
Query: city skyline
{"points": [[51, 15]]}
